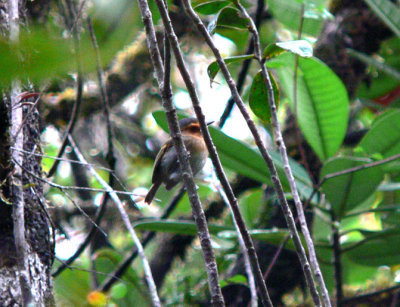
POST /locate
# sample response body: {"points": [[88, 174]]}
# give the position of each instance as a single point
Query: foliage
{"points": [[362, 206]]}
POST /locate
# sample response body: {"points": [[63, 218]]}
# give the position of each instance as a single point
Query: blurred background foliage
{"points": [[347, 112]]}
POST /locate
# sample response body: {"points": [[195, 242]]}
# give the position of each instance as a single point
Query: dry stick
{"points": [[288, 170], [17, 191], [99, 215], [124, 265], [274, 175], [125, 218], [213, 153], [187, 176]]}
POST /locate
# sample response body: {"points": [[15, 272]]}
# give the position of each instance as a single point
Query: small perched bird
{"points": [[166, 167]]}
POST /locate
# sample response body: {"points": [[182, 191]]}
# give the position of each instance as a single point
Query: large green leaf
{"points": [[322, 103], [258, 97], [388, 12], [379, 248], [384, 136], [288, 13], [247, 161], [346, 192]]}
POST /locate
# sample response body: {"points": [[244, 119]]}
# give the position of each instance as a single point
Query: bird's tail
{"points": [[152, 192]]}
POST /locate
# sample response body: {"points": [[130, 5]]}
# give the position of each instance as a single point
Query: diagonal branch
{"points": [[125, 218]]}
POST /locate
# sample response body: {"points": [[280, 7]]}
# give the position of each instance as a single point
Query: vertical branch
{"points": [[79, 85], [18, 212], [213, 153], [247, 264], [245, 66], [285, 160]]}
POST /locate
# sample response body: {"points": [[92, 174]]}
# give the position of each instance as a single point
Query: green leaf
{"points": [[322, 103], [258, 98], [348, 191], [288, 13], [237, 279], [178, 227], [380, 248], [388, 12], [118, 291], [232, 18], [211, 7], [300, 47], [213, 68], [247, 161], [384, 136]]}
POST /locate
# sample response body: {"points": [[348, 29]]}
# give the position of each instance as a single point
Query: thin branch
{"points": [[93, 229], [288, 170], [104, 97], [337, 264], [359, 168], [79, 90], [245, 66], [124, 265], [61, 159], [211, 148], [252, 285], [366, 296], [125, 219], [267, 158]]}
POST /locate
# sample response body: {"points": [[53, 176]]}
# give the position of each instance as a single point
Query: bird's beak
{"points": [[209, 123]]}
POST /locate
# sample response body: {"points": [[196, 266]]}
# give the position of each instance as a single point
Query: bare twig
{"points": [[124, 265], [125, 218], [106, 105], [252, 285], [99, 215], [358, 168], [79, 91], [337, 264], [366, 296]]}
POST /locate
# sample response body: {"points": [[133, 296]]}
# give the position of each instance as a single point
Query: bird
{"points": [[166, 168]]}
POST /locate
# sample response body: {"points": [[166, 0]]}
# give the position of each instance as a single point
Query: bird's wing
{"points": [[157, 170]]}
